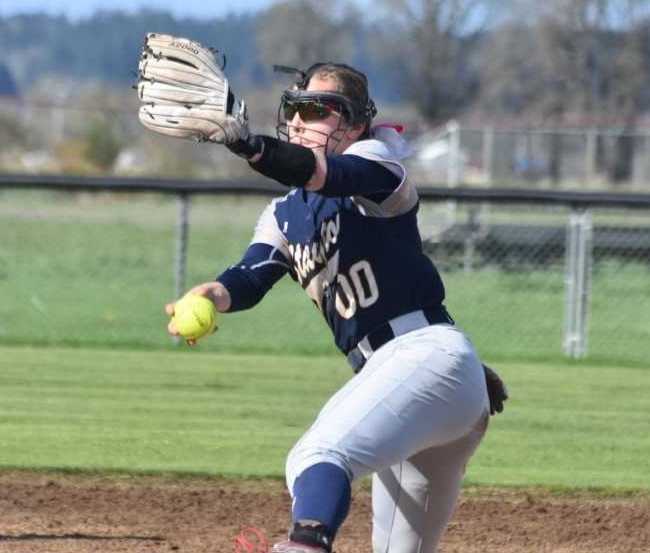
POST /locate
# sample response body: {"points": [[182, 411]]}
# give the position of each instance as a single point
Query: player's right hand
{"points": [[171, 328], [213, 290]]}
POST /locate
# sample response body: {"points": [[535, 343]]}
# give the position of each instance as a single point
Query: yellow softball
{"points": [[194, 316]]}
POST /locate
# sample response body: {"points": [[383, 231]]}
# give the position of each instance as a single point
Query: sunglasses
{"points": [[309, 110]]}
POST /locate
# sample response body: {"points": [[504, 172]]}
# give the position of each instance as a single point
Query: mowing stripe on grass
{"points": [[566, 425]]}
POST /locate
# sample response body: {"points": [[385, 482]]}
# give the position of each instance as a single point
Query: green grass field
{"points": [[192, 412], [95, 271], [89, 379]]}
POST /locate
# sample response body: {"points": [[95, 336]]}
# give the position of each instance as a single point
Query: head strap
{"points": [[359, 113], [292, 71]]}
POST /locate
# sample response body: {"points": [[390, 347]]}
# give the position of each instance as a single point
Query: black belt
{"points": [[408, 322]]}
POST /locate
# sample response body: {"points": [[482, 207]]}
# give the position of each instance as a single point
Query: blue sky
{"points": [[83, 8]]}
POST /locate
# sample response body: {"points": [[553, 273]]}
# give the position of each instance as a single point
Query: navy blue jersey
{"points": [[359, 258]]}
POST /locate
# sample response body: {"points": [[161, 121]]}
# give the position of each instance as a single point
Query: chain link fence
{"points": [[551, 278], [574, 158], [526, 277]]}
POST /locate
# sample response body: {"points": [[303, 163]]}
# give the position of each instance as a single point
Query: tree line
{"points": [[553, 61]]}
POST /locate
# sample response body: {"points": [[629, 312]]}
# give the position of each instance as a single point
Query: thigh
{"points": [[422, 389], [413, 500]]}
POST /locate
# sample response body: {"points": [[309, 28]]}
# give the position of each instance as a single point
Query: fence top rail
{"points": [[540, 197], [562, 131], [73, 183], [76, 183]]}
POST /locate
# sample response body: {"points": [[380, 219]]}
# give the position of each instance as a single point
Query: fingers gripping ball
{"points": [[194, 317]]}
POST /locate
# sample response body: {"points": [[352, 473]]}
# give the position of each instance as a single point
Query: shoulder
{"points": [[387, 147], [297, 205], [280, 204], [269, 227], [385, 144]]}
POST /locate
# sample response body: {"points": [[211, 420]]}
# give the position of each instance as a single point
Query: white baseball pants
{"points": [[413, 416]]}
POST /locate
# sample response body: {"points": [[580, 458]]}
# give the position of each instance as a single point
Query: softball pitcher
{"points": [[417, 406]]}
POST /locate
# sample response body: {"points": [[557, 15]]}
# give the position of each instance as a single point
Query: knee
{"points": [[304, 455]]}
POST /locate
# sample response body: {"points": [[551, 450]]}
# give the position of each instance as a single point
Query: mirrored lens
{"points": [[308, 111], [289, 110]]}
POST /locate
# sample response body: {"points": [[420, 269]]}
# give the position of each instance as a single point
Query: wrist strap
{"points": [[247, 147]]}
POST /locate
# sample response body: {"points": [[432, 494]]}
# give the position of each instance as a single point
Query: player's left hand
{"points": [[185, 93], [497, 391]]}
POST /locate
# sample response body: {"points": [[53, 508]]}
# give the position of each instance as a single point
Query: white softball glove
{"points": [[185, 93]]}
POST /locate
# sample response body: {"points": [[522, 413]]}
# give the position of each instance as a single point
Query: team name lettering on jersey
{"points": [[310, 259]]}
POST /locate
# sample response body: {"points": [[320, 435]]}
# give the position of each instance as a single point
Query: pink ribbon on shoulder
{"points": [[396, 126]]}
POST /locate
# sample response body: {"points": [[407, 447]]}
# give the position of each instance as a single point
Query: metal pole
{"points": [[453, 158], [640, 160], [488, 155], [488, 167], [570, 286], [578, 267], [182, 238], [470, 239], [590, 156], [585, 265], [453, 167]]}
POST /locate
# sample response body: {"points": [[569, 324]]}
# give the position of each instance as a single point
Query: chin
{"points": [[305, 142]]}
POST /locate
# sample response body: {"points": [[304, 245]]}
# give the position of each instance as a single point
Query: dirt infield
{"points": [[79, 514]]}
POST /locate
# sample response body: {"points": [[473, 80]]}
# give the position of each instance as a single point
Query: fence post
{"points": [[639, 169], [182, 237], [578, 267], [591, 146], [453, 167], [453, 156], [488, 155], [473, 227]]}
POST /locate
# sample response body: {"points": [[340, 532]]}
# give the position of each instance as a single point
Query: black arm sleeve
{"points": [[289, 164]]}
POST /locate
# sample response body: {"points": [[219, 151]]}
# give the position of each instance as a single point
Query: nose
{"points": [[297, 123]]}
